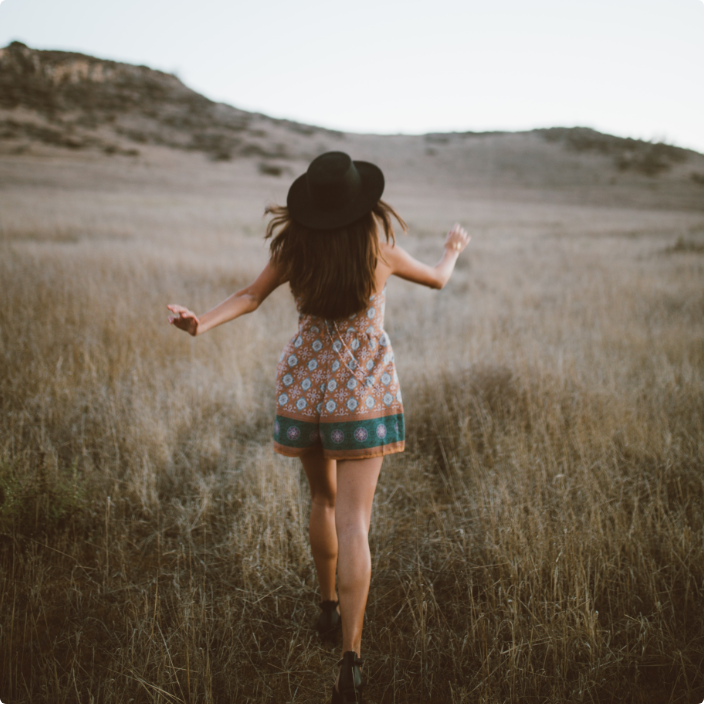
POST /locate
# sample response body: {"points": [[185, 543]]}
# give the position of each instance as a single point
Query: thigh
{"points": [[322, 475], [356, 484]]}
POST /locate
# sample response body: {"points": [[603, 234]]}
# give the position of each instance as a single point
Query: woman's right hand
{"points": [[184, 319], [457, 238]]}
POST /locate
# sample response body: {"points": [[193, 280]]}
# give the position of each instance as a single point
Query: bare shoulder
{"points": [[396, 257], [276, 270], [271, 277], [402, 264], [391, 253]]}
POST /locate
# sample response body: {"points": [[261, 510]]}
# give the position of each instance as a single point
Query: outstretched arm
{"points": [[245, 301], [402, 264]]}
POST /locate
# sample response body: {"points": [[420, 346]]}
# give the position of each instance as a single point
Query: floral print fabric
{"points": [[337, 385]]}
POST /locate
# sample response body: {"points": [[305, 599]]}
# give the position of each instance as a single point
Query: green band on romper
{"points": [[350, 435]]}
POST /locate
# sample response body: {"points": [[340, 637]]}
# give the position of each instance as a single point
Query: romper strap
{"points": [[349, 351]]}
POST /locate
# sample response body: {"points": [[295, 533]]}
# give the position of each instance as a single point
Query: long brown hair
{"points": [[331, 272]]}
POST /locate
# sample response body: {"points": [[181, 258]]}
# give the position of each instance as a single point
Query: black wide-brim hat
{"points": [[334, 192]]}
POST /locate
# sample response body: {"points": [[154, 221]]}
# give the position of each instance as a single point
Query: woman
{"points": [[338, 398]]}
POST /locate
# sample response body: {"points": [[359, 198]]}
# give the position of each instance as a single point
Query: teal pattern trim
{"points": [[345, 435], [298, 434]]}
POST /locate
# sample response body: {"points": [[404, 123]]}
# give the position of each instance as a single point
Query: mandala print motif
{"points": [[337, 436], [381, 431], [361, 434], [293, 433]]}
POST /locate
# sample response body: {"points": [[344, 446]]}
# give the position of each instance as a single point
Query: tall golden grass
{"points": [[541, 540]]}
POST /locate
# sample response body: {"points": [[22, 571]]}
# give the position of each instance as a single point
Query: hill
{"points": [[55, 102], [75, 101]]}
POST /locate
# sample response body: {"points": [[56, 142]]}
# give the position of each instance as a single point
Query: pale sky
{"points": [[628, 67]]}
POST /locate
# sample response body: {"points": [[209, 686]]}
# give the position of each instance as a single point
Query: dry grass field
{"points": [[541, 539]]}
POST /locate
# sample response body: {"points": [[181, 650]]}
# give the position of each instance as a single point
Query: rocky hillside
{"points": [[649, 158], [76, 101], [56, 100]]}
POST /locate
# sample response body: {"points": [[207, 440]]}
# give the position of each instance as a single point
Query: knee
{"points": [[351, 530], [324, 500]]}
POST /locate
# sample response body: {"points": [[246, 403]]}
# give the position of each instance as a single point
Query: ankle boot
{"points": [[350, 683], [328, 620]]}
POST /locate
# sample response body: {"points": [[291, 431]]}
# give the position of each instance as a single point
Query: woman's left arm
{"points": [[245, 301]]}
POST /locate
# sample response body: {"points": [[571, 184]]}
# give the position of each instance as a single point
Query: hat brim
{"points": [[304, 211]]}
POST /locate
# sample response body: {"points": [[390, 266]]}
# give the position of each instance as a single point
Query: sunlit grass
{"points": [[540, 540]]}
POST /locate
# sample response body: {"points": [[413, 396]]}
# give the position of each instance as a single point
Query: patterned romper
{"points": [[336, 386]]}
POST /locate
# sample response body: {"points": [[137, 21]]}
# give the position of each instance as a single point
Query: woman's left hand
{"points": [[457, 238], [184, 319]]}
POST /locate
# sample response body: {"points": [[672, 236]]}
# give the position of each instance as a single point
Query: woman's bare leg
{"points": [[322, 479], [356, 484]]}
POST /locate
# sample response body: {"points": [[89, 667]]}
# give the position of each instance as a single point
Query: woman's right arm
{"points": [[245, 301], [403, 265]]}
